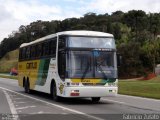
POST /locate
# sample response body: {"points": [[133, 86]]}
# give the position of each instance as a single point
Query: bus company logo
{"points": [[19, 66], [61, 88], [53, 66], [85, 80], [94, 84], [31, 65]]}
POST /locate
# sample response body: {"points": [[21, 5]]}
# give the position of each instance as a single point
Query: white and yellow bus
{"points": [[70, 64]]}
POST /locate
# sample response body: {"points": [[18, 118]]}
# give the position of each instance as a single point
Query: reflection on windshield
{"points": [[89, 42], [91, 64], [79, 64], [105, 59]]}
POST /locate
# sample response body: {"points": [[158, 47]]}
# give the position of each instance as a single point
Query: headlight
{"points": [[112, 84], [72, 84]]}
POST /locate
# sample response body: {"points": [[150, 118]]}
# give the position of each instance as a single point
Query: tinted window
{"points": [[52, 47], [28, 52]]}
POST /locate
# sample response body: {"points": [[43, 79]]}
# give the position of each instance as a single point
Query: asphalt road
{"points": [[17, 105]]}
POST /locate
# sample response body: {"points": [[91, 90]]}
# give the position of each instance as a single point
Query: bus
{"points": [[70, 64]]}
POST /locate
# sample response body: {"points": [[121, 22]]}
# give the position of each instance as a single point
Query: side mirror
{"points": [[119, 60]]}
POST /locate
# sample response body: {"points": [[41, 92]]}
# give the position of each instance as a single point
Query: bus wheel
{"points": [[95, 99], [54, 93], [26, 87]]}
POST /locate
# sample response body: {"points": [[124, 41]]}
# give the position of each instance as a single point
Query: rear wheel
{"points": [[26, 87], [95, 99], [54, 93]]}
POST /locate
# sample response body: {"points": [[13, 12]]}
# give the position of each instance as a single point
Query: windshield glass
{"points": [[79, 64], [91, 42], [91, 64]]}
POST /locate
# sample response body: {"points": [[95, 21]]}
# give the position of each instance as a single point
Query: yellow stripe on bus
{"points": [[86, 80]]}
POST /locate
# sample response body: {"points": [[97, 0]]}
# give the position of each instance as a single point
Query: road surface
{"points": [[17, 105]]}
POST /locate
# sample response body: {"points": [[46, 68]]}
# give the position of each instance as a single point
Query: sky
{"points": [[14, 13]]}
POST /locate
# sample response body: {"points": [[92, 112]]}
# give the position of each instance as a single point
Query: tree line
{"points": [[136, 34]]}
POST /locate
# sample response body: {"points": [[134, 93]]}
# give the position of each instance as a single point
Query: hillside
{"points": [[9, 61], [136, 34]]}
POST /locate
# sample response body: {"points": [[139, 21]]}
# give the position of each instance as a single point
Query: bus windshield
{"points": [[91, 64], [91, 42]]}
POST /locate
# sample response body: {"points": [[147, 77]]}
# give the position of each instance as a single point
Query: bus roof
{"points": [[72, 33]]}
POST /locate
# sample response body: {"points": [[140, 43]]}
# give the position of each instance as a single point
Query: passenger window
{"points": [[28, 52]]}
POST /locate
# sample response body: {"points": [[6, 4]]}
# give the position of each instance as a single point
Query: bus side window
{"points": [[28, 52], [23, 53], [46, 45], [36, 51], [20, 54], [43, 50], [52, 47], [61, 64], [39, 50], [33, 52], [46, 48], [61, 43]]}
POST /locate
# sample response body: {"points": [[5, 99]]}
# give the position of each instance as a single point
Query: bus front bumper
{"points": [[88, 91]]}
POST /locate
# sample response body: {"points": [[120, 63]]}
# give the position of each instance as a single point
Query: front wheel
{"points": [[54, 93], [95, 99]]}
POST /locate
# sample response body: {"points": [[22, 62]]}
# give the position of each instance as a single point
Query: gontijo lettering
{"points": [[31, 65]]}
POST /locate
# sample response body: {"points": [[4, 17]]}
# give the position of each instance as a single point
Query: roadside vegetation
{"points": [[136, 33], [10, 77], [143, 88], [10, 60], [137, 36]]}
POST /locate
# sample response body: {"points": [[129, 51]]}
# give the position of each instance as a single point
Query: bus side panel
{"points": [[51, 74], [28, 69]]}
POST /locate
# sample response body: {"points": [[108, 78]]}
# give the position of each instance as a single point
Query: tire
{"points": [[26, 87], [54, 93], [95, 99]]}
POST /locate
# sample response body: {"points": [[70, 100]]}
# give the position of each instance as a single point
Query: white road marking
{"points": [[59, 106], [18, 98], [41, 112], [12, 95], [19, 102], [127, 104], [137, 97], [114, 101], [64, 113], [11, 105], [13, 82], [21, 108]]}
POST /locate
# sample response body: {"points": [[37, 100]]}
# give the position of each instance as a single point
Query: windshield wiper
{"points": [[85, 72]]}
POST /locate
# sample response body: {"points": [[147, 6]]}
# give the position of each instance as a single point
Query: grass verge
{"points": [[10, 77], [10, 60], [143, 88]]}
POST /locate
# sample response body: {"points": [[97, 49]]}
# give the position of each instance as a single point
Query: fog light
{"points": [[75, 84], [110, 90], [68, 84]]}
